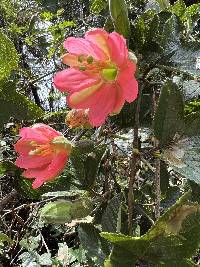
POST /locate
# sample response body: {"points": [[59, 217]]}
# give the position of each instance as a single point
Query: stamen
{"points": [[37, 151], [82, 68], [90, 59], [81, 58]]}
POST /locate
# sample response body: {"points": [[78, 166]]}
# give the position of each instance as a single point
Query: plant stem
{"points": [[157, 165], [134, 164], [157, 185]]}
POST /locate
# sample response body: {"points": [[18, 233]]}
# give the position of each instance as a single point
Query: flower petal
{"points": [[37, 183], [128, 83], [119, 99], [99, 37], [81, 46], [30, 134], [71, 80], [118, 48], [108, 100], [50, 171], [84, 98], [34, 161], [23, 147], [46, 130], [70, 60], [41, 133]]}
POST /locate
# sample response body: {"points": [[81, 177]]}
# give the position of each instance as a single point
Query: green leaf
{"points": [[30, 259], [169, 116], [170, 242], [83, 147], [5, 238], [190, 152], [182, 56], [30, 242], [192, 120], [120, 257], [111, 216], [97, 248], [119, 14], [179, 8], [144, 25], [8, 56], [163, 4], [14, 104], [98, 5], [45, 259], [86, 166], [195, 195], [63, 211], [7, 166]]}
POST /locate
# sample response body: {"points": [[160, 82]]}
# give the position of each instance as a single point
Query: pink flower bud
{"points": [[77, 118]]}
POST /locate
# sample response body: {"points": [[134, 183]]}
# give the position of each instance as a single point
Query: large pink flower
{"points": [[43, 153], [100, 77]]}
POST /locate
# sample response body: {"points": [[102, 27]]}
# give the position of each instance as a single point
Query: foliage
{"points": [[166, 243], [9, 56]]}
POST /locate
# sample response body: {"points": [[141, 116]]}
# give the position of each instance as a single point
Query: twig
{"points": [[157, 165], [147, 164], [172, 69], [44, 243], [78, 137], [157, 185], [134, 164]]}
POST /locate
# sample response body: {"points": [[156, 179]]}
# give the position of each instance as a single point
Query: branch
{"points": [[134, 163], [157, 184]]}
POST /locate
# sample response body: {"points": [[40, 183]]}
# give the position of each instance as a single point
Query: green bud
{"points": [[64, 211], [57, 212]]}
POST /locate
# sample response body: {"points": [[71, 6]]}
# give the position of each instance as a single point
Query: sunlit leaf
{"points": [[8, 56]]}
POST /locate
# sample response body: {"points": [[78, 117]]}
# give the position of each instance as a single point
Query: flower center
{"points": [[40, 150], [61, 143], [109, 74]]}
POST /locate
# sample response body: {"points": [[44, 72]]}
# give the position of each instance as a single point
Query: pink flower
{"points": [[43, 153], [101, 75]]}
